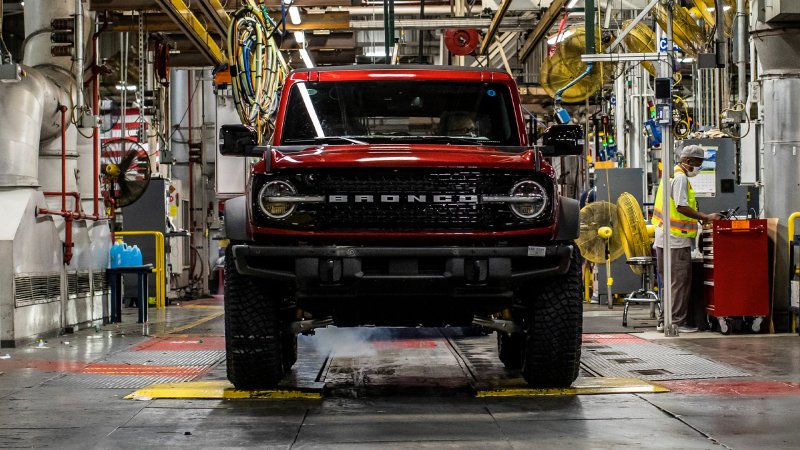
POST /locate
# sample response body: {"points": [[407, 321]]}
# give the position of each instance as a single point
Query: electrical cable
{"points": [[738, 107], [256, 64]]}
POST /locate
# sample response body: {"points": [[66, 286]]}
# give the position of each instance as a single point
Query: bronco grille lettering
{"points": [[395, 198]]}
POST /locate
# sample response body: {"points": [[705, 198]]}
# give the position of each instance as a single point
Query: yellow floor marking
{"points": [[197, 322], [214, 390], [582, 386], [218, 307]]}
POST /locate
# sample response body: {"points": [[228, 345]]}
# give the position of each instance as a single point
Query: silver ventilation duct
{"points": [[778, 47]]}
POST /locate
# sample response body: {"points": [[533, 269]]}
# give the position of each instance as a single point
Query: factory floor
{"points": [[163, 385]]}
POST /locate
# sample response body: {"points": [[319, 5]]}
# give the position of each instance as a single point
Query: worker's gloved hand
{"points": [[712, 217]]}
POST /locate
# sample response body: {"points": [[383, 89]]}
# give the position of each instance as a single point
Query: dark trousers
{"points": [[681, 281]]}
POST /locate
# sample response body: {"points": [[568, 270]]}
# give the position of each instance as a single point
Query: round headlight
{"points": [[529, 199], [269, 199]]}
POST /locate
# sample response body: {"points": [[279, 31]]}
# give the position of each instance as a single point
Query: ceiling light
{"points": [[571, 4], [306, 58], [299, 37], [294, 14]]}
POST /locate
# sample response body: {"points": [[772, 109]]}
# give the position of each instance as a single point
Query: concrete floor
{"points": [[407, 389]]}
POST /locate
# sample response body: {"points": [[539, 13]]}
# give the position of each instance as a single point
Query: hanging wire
{"points": [[257, 66]]}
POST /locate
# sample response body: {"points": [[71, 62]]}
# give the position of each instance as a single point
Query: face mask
{"points": [[692, 171]]}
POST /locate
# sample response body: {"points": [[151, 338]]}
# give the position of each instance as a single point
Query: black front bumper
{"points": [[334, 271]]}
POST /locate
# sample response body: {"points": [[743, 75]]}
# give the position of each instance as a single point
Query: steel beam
{"points": [[185, 19], [617, 57], [334, 20], [547, 20], [509, 24], [494, 26], [630, 26], [215, 13]]}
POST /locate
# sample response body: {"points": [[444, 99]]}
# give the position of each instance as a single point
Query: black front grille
{"points": [[403, 215]]}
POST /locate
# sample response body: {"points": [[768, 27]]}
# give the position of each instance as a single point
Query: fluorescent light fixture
{"points": [[312, 113], [724, 8], [126, 87], [299, 37], [561, 37], [571, 4], [287, 2], [686, 60], [306, 58], [294, 15]]}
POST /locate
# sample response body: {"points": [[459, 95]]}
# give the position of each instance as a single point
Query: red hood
{"points": [[403, 156]]}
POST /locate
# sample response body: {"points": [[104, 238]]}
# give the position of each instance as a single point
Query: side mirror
{"points": [[239, 140], [562, 140]]}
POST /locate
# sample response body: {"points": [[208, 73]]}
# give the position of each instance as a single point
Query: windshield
{"points": [[361, 112]]}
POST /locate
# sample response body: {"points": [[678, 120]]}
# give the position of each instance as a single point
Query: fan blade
{"points": [[125, 164]]}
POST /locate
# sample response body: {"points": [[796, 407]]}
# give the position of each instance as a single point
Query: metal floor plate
{"points": [[168, 358], [626, 357], [97, 381]]}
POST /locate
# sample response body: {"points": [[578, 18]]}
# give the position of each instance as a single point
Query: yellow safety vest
{"points": [[679, 225]]}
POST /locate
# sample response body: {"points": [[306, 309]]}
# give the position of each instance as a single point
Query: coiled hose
{"points": [[257, 66]]}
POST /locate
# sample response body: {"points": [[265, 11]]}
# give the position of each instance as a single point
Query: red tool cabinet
{"points": [[735, 263]]}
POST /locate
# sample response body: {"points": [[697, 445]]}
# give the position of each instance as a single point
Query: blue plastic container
{"points": [[117, 255], [134, 256]]}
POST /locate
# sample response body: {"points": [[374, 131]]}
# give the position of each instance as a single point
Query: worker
{"points": [[460, 124], [684, 218]]}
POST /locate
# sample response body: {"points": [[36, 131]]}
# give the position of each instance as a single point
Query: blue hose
{"points": [[557, 97]]}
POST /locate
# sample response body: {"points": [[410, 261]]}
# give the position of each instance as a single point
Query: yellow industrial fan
{"points": [[565, 65], [635, 238], [608, 230], [598, 239], [706, 10], [685, 32], [641, 39]]}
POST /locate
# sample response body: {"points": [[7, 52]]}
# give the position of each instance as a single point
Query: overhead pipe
{"points": [[67, 215], [79, 58], [719, 35], [741, 50]]}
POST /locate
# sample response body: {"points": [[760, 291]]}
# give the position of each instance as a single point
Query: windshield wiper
{"points": [[325, 140], [477, 140]]}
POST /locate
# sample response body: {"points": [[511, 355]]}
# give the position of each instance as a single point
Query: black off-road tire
{"points": [[253, 343], [511, 348], [554, 324]]}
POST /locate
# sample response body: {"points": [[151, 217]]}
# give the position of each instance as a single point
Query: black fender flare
{"points": [[568, 219], [236, 225]]}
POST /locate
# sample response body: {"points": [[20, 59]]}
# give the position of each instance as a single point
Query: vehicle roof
{"points": [[375, 67]]}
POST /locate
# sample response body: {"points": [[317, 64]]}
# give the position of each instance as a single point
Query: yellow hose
{"points": [[257, 66]]}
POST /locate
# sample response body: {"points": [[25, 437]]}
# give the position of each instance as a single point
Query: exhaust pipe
{"points": [[505, 326], [306, 326]]}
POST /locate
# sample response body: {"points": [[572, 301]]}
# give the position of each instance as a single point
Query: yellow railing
{"points": [[789, 238], [159, 265]]}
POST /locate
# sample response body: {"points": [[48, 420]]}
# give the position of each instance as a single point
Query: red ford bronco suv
{"points": [[402, 196]]}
